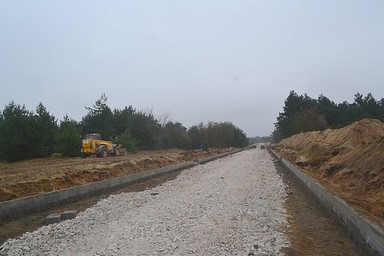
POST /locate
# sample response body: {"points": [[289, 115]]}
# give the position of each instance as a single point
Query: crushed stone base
{"points": [[232, 206]]}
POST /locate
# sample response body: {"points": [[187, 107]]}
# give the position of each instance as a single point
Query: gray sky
{"points": [[193, 60]]}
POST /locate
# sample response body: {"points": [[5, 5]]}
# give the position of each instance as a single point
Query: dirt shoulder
{"points": [[44, 175], [348, 161]]}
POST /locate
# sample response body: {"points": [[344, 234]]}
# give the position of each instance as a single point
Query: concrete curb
{"points": [[369, 231], [17, 207], [12, 208], [211, 158]]}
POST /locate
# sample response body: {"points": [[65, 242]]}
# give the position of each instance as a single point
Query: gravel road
{"points": [[231, 206]]}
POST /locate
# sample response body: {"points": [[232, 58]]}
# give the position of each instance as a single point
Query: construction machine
{"points": [[92, 144]]}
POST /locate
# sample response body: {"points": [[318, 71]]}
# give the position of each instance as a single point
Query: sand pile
{"points": [[348, 161]]}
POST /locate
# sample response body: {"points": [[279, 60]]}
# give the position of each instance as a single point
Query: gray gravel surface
{"points": [[231, 206]]}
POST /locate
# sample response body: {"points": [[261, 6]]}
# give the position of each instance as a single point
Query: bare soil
{"points": [[312, 229], [348, 161], [35, 220], [37, 176]]}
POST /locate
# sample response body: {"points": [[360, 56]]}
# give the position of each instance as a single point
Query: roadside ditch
{"points": [[314, 229]]}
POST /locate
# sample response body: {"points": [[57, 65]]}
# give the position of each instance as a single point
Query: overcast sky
{"points": [[194, 60]]}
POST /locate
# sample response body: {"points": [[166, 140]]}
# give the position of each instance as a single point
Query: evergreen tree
{"points": [[68, 137], [145, 129], [174, 135], [24, 134], [302, 113], [123, 119], [99, 119], [195, 137], [17, 133], [127, 141], [44, 132], [218, 135]]}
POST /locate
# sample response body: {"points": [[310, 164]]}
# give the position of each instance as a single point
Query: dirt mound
{"points": [[348, 161], [44, 175]]}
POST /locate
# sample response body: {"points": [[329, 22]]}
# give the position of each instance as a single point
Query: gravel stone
{"points": [[231, 206]]}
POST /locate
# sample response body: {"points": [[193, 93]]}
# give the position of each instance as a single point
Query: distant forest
{"points": [[25, 134], [302, 113]]}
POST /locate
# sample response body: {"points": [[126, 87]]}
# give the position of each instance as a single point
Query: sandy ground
{"points": [[232, 206], [43, 175], [348, 161]]}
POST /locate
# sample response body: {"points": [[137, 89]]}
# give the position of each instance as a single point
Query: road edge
{"points": [[371, 233], [21, 206]]}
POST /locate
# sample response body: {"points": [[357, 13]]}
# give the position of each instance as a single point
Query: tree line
{"points": [[25, 134], [302, 113]]}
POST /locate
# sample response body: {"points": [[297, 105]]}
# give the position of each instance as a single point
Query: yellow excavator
{"points": [[92, 144]]}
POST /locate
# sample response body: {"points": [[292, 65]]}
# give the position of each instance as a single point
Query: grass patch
{"points": [[314, 157]]}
